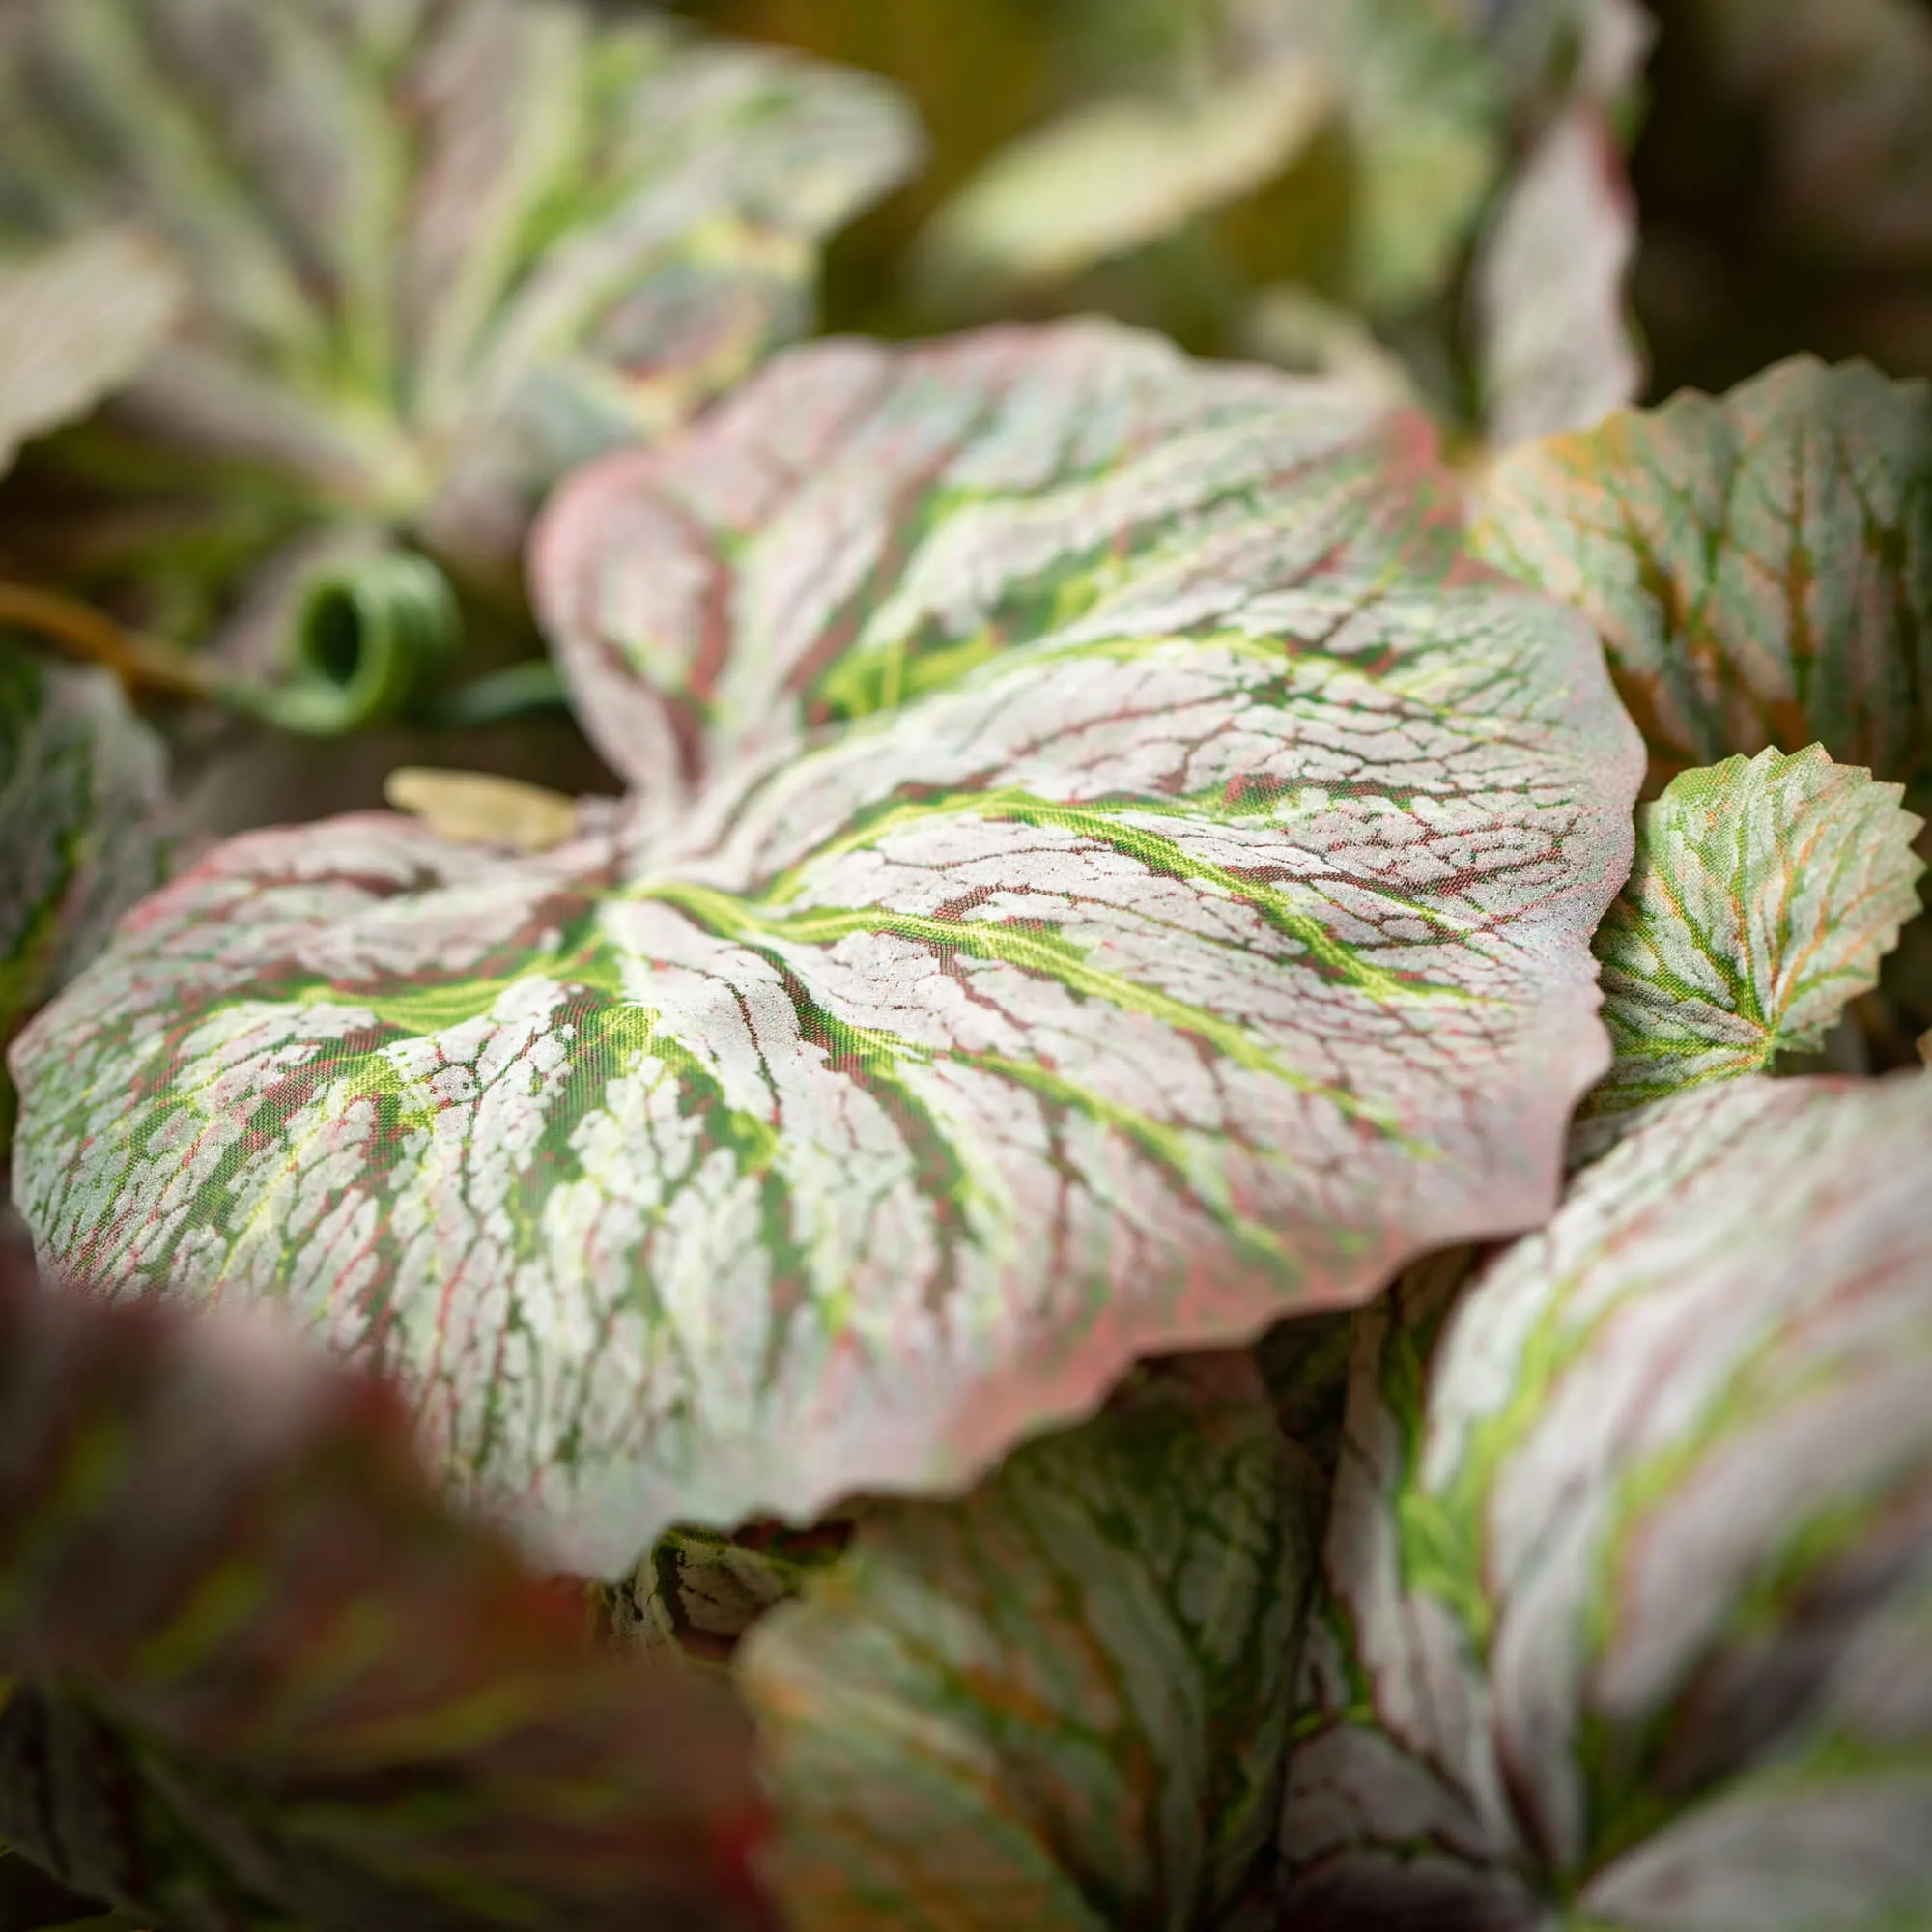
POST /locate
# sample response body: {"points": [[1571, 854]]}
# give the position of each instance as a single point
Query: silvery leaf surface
{"points": [[1629, 1573], [1062, 1700], [438, 252], [1107, 873], [1758, 565], [1766, 893]]}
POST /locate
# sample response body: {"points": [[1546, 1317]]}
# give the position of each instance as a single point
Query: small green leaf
{"points": [[251, 1673], [1759, 567], [1060, 1701], [1629, 1596], [1765, 894], [1104, 873]]}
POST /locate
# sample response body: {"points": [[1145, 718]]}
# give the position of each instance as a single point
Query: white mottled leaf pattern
{"points": [[438, 252], [1630, 1570], [1062, 1701], [1108, 873], [1766, 893]]}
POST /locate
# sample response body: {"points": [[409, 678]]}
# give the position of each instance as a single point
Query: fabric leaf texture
{"points": [[1765, 894], [1063, 1700], [1629, 1572], [1759, 566], [1104, 872]]}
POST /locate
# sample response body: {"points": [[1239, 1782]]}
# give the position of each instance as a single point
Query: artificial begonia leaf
{"points": [[1628, 1576], [439, 251], [76, 322], [1759, 567], [1108, 873], [82, 837], [1062, 1701], [1766, 893], [253, 1673]]}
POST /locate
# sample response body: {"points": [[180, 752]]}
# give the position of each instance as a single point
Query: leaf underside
{"points": [[1628, 1586], [1104, 873]]}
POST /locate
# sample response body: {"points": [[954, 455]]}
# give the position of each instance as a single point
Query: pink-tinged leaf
{"points": [[1110, 876], [1629, 1569], [76, 322], [253, 1673], [1759, 567], [82, 835], [438, 253], [1766, 893], [1062, 1701]]}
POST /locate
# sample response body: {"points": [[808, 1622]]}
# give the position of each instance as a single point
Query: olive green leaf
{"points": [[1628, 1576], [1765, 894], [1104, 872], [1062, 1701], [82, 827], [1114, 175], [698, 1593], [439, 251], [1759, 567], [76, 322], [253, 1674]]}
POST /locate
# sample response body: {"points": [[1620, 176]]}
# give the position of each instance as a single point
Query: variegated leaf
{"points": [[76, 322], [439, 251], [698, 1592], [1759, 567], [1549, 279], [253, 1674], [1765, 894], [82, 795], [1062, 1701], [1630, 1572], [1110, 874]]}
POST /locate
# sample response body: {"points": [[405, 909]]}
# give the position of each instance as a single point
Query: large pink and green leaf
{"points": [[1629, 1568], [1060, 1701], [1106, 873], [252, 1673], [1759, 566], [438, 253]]}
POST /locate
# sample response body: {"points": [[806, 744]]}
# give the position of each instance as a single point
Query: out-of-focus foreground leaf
{"points": [[1062, 1701], [1105, 871], [1759, 566], [1765, 894], [438, 249], [252, 1673], [1631, 1577]]}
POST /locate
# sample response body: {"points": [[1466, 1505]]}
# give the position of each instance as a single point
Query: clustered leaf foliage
{"points": [[1188, 1190]]}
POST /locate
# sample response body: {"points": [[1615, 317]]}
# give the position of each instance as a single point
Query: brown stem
{"points": [[85, 633]]}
